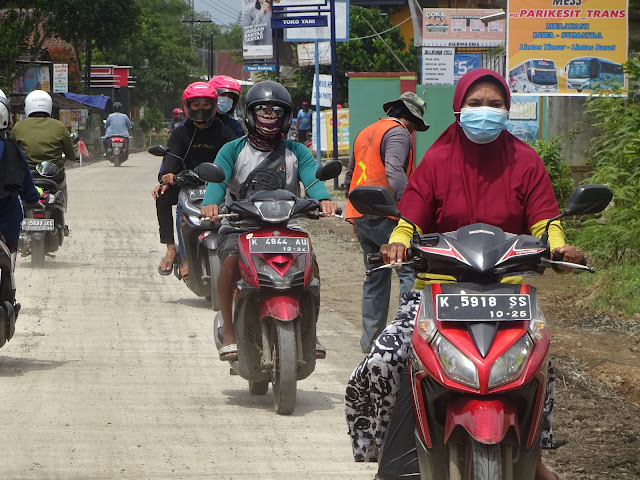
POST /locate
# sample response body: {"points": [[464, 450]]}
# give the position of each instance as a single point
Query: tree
{"points": [[365, 52], [160, 53], [103, 24]]}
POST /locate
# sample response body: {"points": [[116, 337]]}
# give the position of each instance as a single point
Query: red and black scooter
{"points": [[477, 370], [277, 301]]}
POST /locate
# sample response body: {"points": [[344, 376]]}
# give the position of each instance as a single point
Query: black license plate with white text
{"points": [[278, 245], [468, 307]]}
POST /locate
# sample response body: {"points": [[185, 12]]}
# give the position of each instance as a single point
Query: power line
{"points": [[387, 30], [221, 7]]}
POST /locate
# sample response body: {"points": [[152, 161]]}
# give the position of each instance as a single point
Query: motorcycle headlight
{"points": [[275, 211], [509, 366], [455, 364]]}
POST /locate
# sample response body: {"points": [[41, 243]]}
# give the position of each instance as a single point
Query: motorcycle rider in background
{"points": [[44, 139], [268, 116], [196, 141], [117, 125], [176, 120], [229, 91], [15, 182]]}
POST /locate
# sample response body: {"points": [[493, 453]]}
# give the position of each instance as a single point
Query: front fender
{"points": [[280, 307], [487, 421]]}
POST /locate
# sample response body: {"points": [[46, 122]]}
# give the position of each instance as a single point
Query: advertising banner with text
{"points": [[566, 47], [460, 27], [257, 34]]}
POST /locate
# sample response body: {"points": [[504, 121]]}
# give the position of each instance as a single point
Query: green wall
{"points": [[439, 114]]}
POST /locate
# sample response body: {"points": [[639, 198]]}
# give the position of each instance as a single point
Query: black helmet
{"points": [[267, 91], [117, 107]]}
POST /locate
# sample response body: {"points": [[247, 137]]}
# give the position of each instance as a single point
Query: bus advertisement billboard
{"points": [[556, 49]]}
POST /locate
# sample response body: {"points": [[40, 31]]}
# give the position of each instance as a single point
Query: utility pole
{"points": [[193, 20]]}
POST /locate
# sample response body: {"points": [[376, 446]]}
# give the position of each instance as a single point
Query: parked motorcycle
{"points": [[277, 301], [117, 150], [43, 227], [199, 236], [478, 366], [8, 307]]}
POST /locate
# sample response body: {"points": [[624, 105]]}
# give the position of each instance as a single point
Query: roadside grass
{"points": [[613, 289]]}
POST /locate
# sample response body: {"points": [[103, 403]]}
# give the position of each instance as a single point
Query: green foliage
{"points": [[614, 151], [613, 289], [550, 152], [153, 120], [362, 54]]}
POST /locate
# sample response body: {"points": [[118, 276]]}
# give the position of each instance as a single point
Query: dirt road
{"points": [[113, 373]]}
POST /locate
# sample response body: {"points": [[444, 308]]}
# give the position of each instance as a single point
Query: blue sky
{"points": [[223, 12]]}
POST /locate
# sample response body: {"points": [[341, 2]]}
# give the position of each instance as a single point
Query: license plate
{"points": [[38, 224], [116, 144], [278, 245], [462, 307]]}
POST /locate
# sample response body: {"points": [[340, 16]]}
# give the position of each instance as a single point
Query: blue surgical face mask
{"points": [[224, 105], [483, 124]]}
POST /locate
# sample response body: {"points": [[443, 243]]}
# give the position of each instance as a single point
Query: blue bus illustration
{"points": [[587, 73]]}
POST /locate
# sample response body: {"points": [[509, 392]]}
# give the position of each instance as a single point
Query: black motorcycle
{"points": [[43, 227], [8, 307], [199, 237]]}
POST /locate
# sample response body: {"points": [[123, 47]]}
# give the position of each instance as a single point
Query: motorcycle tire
{"points": [[214, 273], [116, 160], [258, 388], [37, 253], [284, 376], [487, 461]]}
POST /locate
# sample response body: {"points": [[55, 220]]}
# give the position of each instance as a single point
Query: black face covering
{"points": [[267, 134]]}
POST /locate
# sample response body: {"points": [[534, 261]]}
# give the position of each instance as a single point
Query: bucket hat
{"points": [[417, 107]]}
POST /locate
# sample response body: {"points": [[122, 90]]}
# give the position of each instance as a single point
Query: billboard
{"points": [[311, 34], [461, 27], [553, 49], [257, 36]]}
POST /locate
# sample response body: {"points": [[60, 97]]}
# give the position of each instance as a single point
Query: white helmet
{"points": [[38, 101], [4, 111]]}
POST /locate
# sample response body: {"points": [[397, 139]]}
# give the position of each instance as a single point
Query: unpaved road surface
{"points": [[113, 373]]}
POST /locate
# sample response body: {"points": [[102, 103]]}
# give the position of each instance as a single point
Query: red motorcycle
{"points": [[277, 300], [117, 150], [477, 370]]}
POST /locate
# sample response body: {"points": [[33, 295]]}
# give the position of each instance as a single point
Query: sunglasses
{"points": [[262, 110]]}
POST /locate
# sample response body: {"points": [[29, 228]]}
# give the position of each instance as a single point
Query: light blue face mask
{"points": [[483, 124], [224, 105]]}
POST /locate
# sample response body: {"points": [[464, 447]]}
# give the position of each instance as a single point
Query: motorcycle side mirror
{"points": [[376, 201], [158, 150], [210, 172], [587, 199], [329, 170], [47, 169], [74, 137]]}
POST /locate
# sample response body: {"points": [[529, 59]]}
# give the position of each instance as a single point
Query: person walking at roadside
{"points": [[303, 124], [383, 156]]}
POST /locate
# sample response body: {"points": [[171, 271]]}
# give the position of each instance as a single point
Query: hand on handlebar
{"points": [[329, 207], [570, 254], [159, 190], [168, 178], [393, 252], [210, 212]]}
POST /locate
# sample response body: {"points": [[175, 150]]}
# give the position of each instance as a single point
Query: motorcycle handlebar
{"points": [[557, 257], [375, 259]]}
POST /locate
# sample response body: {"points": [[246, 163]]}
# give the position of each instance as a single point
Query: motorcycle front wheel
{"points": [[284, 376], [214, 273], [487, 461]]}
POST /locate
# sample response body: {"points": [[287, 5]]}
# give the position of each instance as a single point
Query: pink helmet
{"points": [[177, 111], [225, 84], [199, 90]]}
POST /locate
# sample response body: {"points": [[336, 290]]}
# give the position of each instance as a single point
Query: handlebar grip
{"points": [[339, 211], [558, 258], [375, 259]]}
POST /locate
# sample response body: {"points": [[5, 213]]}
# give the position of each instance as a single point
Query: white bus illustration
{"points": [[587, 73], [534, 76]]}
